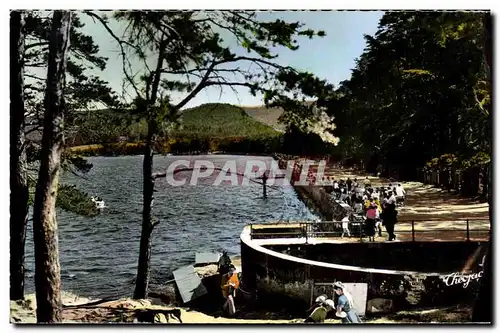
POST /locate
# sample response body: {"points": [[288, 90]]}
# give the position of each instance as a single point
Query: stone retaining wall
{"points": [[264, 268]]}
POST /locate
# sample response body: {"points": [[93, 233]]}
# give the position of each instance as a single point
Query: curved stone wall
{"points": [[317, 199], [261, 264]]}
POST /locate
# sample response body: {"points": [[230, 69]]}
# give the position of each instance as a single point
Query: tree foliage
{"points": [[83, 92], [418, 91], [197, 57]]}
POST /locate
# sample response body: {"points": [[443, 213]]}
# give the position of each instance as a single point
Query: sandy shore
{"points": [[118, 310]]}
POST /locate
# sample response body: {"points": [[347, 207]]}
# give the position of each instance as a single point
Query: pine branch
{"points": [[198, 88]]}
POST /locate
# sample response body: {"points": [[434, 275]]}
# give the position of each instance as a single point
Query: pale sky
{"points": [[331, 57]]}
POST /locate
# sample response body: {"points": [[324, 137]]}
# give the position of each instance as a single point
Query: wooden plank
{"points": [[189, 283]]}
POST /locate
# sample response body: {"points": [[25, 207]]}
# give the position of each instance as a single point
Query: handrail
{"points": [[399, 221], [306, 230]]}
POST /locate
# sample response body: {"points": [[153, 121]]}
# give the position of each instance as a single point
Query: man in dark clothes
{"points": [[390, 216], [349, 185]]}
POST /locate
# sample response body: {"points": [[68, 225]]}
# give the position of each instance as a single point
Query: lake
{"points": [[99, 254]]}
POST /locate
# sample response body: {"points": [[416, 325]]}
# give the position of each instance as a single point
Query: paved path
{"points": [[432, 208]]}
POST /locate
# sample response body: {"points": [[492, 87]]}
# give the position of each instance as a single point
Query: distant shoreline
{"points": [[137, 148], [89, 151]]}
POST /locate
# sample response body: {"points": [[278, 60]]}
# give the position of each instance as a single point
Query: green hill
{"points": [[213, 120], [222, 120]]}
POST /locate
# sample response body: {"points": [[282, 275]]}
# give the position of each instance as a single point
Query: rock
{"points": [[14, 319], [379, 305], [205, 271], [72, 299], [30, 302], [164, 295]]}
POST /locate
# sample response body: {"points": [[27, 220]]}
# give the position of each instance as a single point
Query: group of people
{"points": [[344, 308], [317, 313], [376, 206]]}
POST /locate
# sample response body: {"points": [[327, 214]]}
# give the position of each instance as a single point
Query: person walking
{"points": [[349, 184], [371, 217], [345, 227], [389, 217]]}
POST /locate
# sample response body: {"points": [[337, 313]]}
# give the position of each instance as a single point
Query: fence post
{"points": [[468, 236], [251, 231], [413, 230]]}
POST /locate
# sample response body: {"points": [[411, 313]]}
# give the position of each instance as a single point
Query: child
{"points": [[345, 226]]}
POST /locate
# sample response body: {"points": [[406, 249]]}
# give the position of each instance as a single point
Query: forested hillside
{"points": [[418, 95]]}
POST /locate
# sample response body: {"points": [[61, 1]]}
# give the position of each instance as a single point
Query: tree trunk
{"points": [[483, 307], [144, 265], [47, 268], [19, 192]]}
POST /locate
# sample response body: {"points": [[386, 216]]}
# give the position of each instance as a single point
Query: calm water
{"points": [[99, 254]]}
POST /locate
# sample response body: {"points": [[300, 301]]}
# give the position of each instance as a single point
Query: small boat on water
{"points": [[99, 203]]}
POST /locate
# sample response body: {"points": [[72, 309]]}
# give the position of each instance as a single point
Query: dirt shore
{"points": [[120, 311]]}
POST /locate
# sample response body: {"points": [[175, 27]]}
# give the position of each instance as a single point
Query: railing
{"points": [[333, 229]]}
